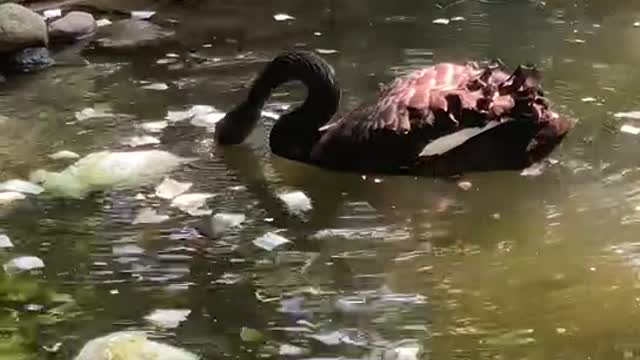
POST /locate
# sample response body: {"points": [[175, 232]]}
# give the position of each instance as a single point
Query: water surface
{"points": [[543, 267]]}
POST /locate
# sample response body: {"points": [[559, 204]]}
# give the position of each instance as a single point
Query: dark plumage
{"points": [[500, 121]]}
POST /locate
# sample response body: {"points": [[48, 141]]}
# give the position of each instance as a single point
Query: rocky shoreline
{"points": [[29, 39]]}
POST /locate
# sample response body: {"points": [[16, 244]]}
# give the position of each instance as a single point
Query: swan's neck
{"points": [[294, 133]]}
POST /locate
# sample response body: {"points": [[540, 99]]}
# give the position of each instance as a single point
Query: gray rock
{"points": [[74, 26], [132, 33], [27, 60], [20, 28]]}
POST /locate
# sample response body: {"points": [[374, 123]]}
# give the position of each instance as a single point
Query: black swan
{"points": [[443, 120]]}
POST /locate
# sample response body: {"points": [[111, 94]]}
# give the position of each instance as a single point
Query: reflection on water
{"points": [[382, 267]]}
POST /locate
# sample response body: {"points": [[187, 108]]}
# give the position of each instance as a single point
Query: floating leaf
{"points": [[149, 216], [22, 264], [168, 318], [64, 154], [170, 188], [270, 241]]}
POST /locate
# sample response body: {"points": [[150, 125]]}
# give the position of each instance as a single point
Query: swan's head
{"points": [[237, 124]]}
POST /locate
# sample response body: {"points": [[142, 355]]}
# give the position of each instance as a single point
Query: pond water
{"points": [[517, 267]]}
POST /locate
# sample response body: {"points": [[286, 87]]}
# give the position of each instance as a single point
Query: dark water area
{"points": [[382, 267]]}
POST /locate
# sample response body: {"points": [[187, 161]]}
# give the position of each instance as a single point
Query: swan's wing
{"points": [[411, 102]]}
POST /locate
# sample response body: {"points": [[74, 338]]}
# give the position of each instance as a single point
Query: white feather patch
{"points": [[448, 142]]}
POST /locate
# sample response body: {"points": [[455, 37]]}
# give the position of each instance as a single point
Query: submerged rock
{"points": [[106, 170], [27, 60], [131, 345], [74, 26], [20, 28], [131, 33]]}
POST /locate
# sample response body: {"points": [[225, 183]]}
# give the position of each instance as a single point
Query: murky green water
{"points": [[543, 267]]}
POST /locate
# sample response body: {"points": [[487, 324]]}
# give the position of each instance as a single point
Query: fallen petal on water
{"points": [[5, 242], [136, 141], [103, 22], [8, 197], [92, 113], [149, 216], [52, 13], [170, 188], [21, 186], [22, 264], [156, 86], [64, 154], [292, 350], [270, 241], [630, 129], [283, 17], [297, 202], [326, 51], [222, 222], [142, 15], [633, 115], [168, 318], [192, 203], [207, 120], [154, 126]]}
